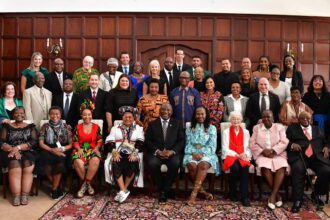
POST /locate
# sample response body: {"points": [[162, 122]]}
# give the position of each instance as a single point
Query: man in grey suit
{"points": [[37, 100]]}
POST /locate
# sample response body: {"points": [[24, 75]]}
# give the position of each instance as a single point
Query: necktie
{"points": [[263, 104], [66, 106], [126, 70], [309, 150], [164, 129], [171, 78], [179, 68], [42, 96], [60, 80], [94, 95]]}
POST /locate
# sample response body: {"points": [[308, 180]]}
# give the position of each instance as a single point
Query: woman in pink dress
{"points": [[268, 145]]}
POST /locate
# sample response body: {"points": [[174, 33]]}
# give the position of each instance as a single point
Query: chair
{"points": [[311, 173], [224, 126]]}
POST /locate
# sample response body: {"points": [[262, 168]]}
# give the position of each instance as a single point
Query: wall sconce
{"points": [[56, 48], [291, 51]]}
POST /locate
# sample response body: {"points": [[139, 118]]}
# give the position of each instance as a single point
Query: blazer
{"points": [[176, 83], [3, 112], [130, 69], [252, 111], [32, 102], [52, 83], [296, 135], [175, 138], [184, 67], [99, 111], [297, 80], [229, 106], [73, 114]]}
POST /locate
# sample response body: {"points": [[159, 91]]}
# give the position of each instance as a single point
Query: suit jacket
{"points": [[296, 135], [176, 83], [253, 108], [191, 72], [130, 69], [184, 67], [32, 102], [174, 140], [73, 114], [99, 112], [229, 106], [52, 83]]}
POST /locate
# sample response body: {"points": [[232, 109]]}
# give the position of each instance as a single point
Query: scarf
{"points": [[236, 143]]}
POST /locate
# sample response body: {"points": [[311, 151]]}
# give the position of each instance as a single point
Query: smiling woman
{"points": [[8, 102]]}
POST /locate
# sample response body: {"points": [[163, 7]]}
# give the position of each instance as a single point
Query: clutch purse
{"points": [[126, 148]]}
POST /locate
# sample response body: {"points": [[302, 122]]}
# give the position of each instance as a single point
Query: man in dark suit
{"points": [[179, 65], [54, 81], [124, 66], [165, 143], [95, 94], [170, 75], [307, 144], [261, 101], [69, 102], [225, 78]]}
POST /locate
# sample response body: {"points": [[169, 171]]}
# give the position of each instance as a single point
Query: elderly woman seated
{"points": [[268, 145], [18, 140], [237, 155], [200, 151], [86, 141], [124, 142], [290, 110], [55, 139]]}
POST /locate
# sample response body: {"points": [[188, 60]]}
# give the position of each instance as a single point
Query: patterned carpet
{"points": [[145, 207]]}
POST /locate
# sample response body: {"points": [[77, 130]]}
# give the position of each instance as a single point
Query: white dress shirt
{"points": [[64, 98], [267, 100]]}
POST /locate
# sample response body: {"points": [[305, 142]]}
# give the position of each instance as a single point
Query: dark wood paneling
{"points": [[157, 35]]}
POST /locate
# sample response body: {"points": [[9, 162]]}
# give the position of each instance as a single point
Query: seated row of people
{"points": [[165, 142]]}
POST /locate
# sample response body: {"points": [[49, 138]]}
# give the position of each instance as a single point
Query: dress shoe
{"points": [[171, 194], [317, 199], [162, 197], [296, 206], [271, 205], [233, 198], [246, 202]]}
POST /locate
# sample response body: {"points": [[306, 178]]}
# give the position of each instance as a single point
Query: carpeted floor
{"points": [[146, 207]]}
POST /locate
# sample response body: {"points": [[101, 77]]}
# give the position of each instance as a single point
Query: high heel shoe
{"points": [[279, 203], [208, 196], [193, 195]]}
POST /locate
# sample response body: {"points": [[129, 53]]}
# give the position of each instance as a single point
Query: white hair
{"points": [[235, 114]]}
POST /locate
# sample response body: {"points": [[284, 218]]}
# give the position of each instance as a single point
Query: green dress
{"points": [[29, 74], [80, 79]]}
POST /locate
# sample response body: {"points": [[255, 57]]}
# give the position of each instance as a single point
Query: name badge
{"points": [[58, 144]]}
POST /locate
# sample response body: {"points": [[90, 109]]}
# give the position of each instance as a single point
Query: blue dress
{"points": [[138, 85], [201, 142]]}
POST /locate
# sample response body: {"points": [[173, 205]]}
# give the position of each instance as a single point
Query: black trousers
{"points": [[241, 174], [173, 164], [298, 174]]}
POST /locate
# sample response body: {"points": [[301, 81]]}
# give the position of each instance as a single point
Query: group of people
{"points": [[180, 115]]}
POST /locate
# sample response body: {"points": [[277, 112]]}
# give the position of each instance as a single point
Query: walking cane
{"points": [[318, 208]]}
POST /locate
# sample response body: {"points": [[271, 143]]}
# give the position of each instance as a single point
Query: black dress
{"points": [[16, 136], [247, 89], [118, 98]]}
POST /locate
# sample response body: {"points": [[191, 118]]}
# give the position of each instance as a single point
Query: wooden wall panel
{"points": [[143, 26], [157, 35], [41, 26], [10, 27], [57, 26], [25, 27], [108, 25], [274, 30], [174, 26]]}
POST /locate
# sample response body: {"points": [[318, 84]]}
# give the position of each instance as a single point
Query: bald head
{"points": [[263, 85]]}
